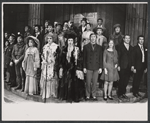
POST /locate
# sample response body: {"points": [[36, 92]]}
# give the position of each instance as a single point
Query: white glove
{"points": [[84, 70], [106, 72], [60, 72]]}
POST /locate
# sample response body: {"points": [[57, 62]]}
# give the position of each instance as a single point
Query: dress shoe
{"points": [[87, 98], [105, 98], [139, 94], [9, 83], [120, 96], [109, 97], [12, 85], [94, 99], [76, 100], [18, 87], [124, 96], [6, 81], [136, 95]]}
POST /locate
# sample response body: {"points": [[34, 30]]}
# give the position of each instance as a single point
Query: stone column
{"points": [[136, 21], [36, 14]]}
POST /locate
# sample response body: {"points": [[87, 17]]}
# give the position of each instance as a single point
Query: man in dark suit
{"points": [[139, 66], [125, 51], [92, 65]]}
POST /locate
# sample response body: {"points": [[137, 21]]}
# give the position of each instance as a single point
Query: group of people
{"points": [[66, 62]]}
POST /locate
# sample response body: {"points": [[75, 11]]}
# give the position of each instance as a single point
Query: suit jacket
{"points": [[8, 56], [92, 59], [137, 58], [125, 56]]}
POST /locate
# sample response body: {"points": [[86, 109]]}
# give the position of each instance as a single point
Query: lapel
{"points": [[139, 49], [95, 49], [126, 48], [90, 47]]}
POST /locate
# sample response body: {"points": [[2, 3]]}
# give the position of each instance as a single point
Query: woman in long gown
{"points": [[67, 72], [30, 64], [48, 84], [110, 73]]}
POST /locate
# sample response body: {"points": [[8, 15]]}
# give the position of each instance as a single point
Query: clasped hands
{"points": [[99, 71]]}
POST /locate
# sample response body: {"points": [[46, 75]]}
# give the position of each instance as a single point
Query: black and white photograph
{"points": [[74, 61]]}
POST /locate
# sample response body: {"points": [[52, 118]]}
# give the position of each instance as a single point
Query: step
{"points": [[38, 98]]}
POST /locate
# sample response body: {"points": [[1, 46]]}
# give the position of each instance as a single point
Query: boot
{"points": [[22, 89], [18, 87]]}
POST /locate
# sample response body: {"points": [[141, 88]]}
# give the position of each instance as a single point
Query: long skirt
{"points": [[31, 85], [49, 88]]}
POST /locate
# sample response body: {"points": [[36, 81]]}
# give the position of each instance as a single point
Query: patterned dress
{"points": [[47, 83], [30, 64]]}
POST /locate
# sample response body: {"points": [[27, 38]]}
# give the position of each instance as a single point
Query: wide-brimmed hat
{"points": [[116, 25], [34, 39]]}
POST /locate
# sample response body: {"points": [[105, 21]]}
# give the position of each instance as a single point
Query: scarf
{"points": [[70, 49]]}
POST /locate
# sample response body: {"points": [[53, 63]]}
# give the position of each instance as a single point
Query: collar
{"points": [[140, 45], [99, 25], [126, 44]]}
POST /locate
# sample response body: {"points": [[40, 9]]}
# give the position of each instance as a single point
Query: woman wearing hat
{"points": [[18, 56], [30, 64], [49, 61], [117, 35], [67, 72]]}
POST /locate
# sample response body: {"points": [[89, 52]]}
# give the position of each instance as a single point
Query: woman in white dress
{"points": [[48, 68], [30, 64]]}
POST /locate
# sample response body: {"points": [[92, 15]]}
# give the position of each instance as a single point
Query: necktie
{"points": [[93, 46], [142, 53], [142, 47]]}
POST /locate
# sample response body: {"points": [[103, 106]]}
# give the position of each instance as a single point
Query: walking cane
{"points": [[46, 77]]}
